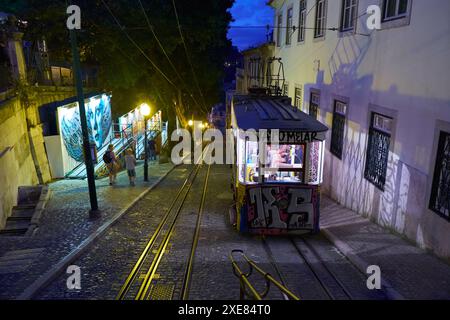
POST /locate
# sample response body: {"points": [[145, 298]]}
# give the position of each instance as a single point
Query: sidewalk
{"points": [[407, 271], [65, 226]]}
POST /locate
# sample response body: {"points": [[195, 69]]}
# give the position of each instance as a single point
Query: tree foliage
{"points": [[122, 67]]}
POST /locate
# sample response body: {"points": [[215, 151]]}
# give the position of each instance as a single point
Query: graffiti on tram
{"points": [[282, 208]]}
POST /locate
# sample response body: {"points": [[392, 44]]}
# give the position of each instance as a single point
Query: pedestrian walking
{"points": [[111, 163], [130, 164], [152, 149]]}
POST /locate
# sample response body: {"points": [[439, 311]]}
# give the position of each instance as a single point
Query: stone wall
{"points": [[16, 162], [23, 158]]}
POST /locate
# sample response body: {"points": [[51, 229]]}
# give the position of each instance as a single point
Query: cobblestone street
{"points": [[65, 224], [312, 267]]}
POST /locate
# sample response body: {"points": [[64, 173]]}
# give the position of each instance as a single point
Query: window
{"points": [[320, 25], [286, 89], [279, 27], [285, 163], [302, 21], [348, 19], [289, 26], [394, 9], [378, 149], [298, 98], [252, 162], [337, 131], [248, 161], [314, 104], [440, 190]]}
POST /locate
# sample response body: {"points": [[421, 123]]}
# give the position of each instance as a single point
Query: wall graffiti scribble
{"points": [[281, 208]]}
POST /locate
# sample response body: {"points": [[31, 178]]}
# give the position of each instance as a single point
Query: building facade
{"points": [[254, 71], [385, 96]]}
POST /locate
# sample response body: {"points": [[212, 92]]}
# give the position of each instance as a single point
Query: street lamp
{"points": [[190, 123], [145, 111]]}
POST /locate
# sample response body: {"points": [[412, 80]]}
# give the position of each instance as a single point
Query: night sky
{"points": [[250, 13]]}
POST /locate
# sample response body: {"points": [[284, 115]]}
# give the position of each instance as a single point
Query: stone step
{"points": [[19, 218], [17, 227], [25, 206], [29, 194], [13, 232], [22, 213]]}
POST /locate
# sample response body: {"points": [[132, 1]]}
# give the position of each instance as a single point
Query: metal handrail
{"points": [[245, 283], [81, 164]]}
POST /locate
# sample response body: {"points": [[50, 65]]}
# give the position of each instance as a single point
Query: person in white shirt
{"points": [[130, 164]]}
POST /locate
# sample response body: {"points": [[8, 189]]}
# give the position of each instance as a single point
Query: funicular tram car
{"points": [[281, 194]]}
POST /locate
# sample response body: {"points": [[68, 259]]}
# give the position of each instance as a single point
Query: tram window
{"points": [[285, 156], [252, 167], [284, 176], [285, 163], [241, 159], [248, 164]]}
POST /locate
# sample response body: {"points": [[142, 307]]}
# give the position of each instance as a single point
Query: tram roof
{"points": [[266, 112]]}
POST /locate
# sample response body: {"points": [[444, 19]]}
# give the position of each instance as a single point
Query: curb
{"points": [[360, 264], [40, 207], [54, 271]]}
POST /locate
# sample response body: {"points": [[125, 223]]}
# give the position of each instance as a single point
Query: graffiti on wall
{"points": [[99, 121], [281, 207]]}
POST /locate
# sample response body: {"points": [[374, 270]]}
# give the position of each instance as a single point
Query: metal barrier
{"points": [[245, 283]]}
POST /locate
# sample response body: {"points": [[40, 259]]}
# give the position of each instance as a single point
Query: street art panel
{"points": [[99, 122]]}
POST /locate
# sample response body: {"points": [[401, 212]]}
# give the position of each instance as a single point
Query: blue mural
{"points": [[99, 121]]}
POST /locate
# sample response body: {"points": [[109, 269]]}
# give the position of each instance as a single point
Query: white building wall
{"points": [[403, 72]]}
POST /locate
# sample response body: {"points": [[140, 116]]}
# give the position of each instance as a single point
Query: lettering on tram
{"points": [[293, 137], [276, 184]]}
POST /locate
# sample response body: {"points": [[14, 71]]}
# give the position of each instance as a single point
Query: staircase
{"points": [[25, 215], [121, 144]]}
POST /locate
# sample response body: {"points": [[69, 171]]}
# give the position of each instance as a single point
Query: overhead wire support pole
{"points": [[84, 129]]}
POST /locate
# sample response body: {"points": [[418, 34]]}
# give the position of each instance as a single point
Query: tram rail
{"points": [[313, 270], [138, 284]]}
